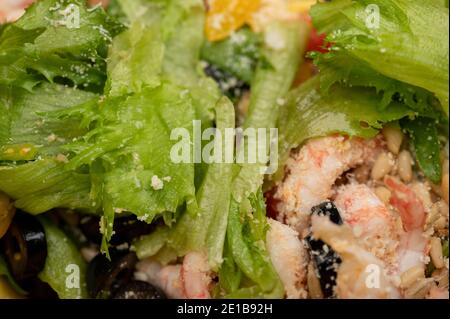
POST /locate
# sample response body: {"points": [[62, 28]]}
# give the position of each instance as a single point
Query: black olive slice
{"points": [[328, 209], [105, 277], [228, 84], [325, 259], [136, 289], [25, 246], [37, 289]]}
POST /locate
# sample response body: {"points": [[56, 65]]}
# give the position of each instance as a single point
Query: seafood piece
{"points": [[12, 10], [313, 171], [289, 257], [189, 280], [361, 274], [413, 241], [372, 223], [196, 277], [438, 293], [167, 278]]}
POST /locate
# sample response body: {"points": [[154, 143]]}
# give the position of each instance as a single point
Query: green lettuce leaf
{"points": [[405, 56], [425, 140], [64, 268], [246, 240], [42, 185], [31, 148], [135, 60], [238, 55], [44, 44], [129, 153], [23, 122], [201, 229]]}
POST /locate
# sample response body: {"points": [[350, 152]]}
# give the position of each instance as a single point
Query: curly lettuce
{"points": [[398, 47], [43, 45]]}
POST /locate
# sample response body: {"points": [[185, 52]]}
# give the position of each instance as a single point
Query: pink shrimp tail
{"points": [[410, 207]]}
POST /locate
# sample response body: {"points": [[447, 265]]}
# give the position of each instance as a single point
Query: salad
{"points": [[192, 149]]}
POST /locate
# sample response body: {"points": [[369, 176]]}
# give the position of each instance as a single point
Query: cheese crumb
{"points": [[274, 40], [62, 158], [51, 138], [157, 183]]}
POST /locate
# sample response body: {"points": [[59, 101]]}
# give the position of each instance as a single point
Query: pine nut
{"points": [[445, 166], [441, 277], [440, 223], [383, 165], [444, 186], [436, 253], [383, 194], [315, 291], [362, 174], [422, 190], [409, 277], [405, 166], [394, 138], [443, 208], [419, 289]]}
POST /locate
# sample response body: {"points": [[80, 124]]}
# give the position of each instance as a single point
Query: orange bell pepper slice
{"points": [[226, 16]]}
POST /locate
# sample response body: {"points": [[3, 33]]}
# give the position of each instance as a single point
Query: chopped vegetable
{"points": [[56, 51], [64, 267], [225, 17], [426, 144], [237, 55], [403, 54]]}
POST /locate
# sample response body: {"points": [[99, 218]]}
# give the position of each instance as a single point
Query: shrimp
{"points": [[361, 274], [12, 10], [195, 274], [400, 249], [438, 293], [413, 242], [289, 257], [167, 278], [314, 170], [372, 223], [189, 280]]}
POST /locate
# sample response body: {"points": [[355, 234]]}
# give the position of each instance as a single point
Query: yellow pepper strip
{"points": [[226, 16], [300, 6]]}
